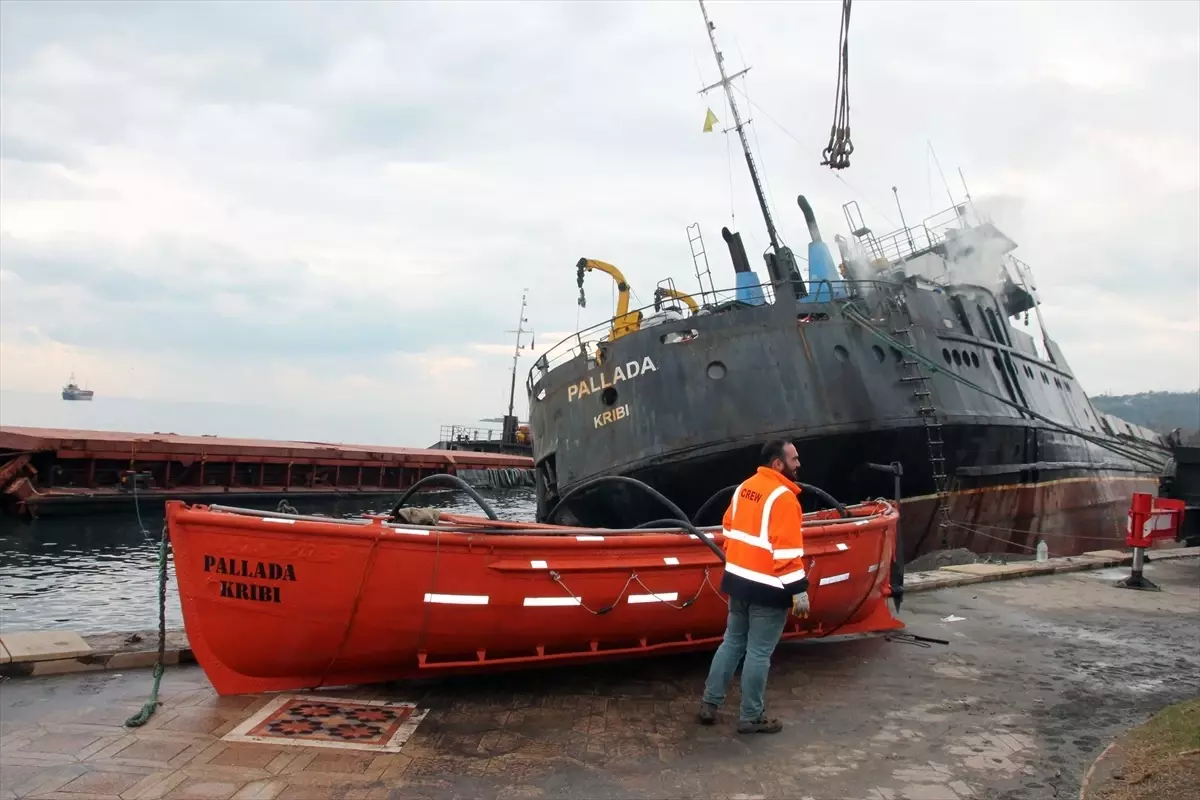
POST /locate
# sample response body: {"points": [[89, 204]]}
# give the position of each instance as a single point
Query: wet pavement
{"points": [[1040, 674]]}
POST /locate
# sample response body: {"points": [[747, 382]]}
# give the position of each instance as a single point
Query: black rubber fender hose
{"points": [[680, 518], [827, 497], [710, 502], [728, 490], [453, 480]]}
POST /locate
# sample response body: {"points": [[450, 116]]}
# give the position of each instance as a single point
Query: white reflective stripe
{"points": [[706, 533], [279, 520], [589, 538], [665, 597], [670, 560], [765, 524], [750, 575], [458, 599], [792, 577], [411, 531], [843, 546], [784, 555], [872, 568], [733, 504], [746, 538], [552, 601], [845, 576], [538, 564]]}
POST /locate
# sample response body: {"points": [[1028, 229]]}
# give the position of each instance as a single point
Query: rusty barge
{"points": [[47, 471]]}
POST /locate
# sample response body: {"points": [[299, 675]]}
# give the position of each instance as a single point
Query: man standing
{"points": [[764, 578]]}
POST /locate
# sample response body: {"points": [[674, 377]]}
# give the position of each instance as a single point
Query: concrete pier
{"points": [[1039, 676]]}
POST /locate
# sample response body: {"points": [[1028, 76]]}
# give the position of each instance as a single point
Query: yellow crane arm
{"points": [[625, 321], [663, 291]]}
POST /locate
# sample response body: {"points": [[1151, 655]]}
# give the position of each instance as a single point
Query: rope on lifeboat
{"points": [[453, 480], [633, 576]]}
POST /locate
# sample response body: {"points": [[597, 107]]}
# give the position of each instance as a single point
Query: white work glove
{"points": [[800, 605]]}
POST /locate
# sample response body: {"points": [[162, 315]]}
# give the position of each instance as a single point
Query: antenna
{"points": [[903, 224], [739, 125], [520, 331]]}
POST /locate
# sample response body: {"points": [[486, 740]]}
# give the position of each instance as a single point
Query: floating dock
{"points": [[46, 471]]}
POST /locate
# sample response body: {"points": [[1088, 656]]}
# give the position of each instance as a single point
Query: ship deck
{"points": [[50, 470]]}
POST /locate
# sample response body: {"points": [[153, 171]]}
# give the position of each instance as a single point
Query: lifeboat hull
{"points": [[274, 603]]}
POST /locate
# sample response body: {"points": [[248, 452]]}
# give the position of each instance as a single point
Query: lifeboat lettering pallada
{"points": [[275, 607]]}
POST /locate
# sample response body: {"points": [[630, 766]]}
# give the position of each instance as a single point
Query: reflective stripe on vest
{"points": [[763, 539]]}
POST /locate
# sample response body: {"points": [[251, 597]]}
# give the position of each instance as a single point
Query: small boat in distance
{"points": [[278, 602], [72, 391]]}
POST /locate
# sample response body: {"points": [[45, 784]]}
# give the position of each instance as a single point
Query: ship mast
{"points": [[739, 125], [512, 392]]}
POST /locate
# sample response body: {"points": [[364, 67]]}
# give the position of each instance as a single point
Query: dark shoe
{"points": [[708, 713], [763, 725]]}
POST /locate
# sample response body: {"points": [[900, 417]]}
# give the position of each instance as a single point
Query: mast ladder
{"points": [[923, 397], [699, 258]]}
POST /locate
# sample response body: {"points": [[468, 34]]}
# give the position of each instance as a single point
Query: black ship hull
{"points": [[994, 508], [685, 407]]}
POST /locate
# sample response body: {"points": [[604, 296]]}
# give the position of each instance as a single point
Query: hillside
{"points": [[1162, 411]]}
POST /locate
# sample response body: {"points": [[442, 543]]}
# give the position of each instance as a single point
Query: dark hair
{"points": [[773, 450]]}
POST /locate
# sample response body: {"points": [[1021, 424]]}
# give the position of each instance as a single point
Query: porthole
{"points": [[975, 360], [957, 359], [946, 355], [878, 351], [842, 353], [897, 355], [609, 396], [716, 370]]}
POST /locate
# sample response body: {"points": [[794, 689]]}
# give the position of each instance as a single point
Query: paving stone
{"points": [[44, 645]]}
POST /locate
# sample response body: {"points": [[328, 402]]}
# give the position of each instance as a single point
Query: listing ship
{"points": [[72, 391], [901, 371]]}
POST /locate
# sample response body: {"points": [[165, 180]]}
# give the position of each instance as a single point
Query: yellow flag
{"points": [[709, 119]]}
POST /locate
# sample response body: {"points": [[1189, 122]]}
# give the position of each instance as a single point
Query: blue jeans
{"points": [[751, 631]]}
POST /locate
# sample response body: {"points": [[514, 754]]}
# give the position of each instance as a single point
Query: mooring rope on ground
{"points": [[142, 717]]}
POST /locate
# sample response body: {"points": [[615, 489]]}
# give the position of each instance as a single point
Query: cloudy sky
{"points": [[327, 213]]}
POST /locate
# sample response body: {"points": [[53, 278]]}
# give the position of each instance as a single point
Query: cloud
{"points": [[338, 206]]}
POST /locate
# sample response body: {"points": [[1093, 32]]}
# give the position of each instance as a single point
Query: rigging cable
{"points": [[837, 153], [856, 316]]}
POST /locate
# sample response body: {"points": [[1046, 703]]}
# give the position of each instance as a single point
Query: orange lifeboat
{"points": [[275, 602]]}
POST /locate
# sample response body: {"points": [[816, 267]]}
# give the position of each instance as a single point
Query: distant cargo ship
{"points": [[72, 391]]}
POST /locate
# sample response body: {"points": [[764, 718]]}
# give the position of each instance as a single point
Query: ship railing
{"points": [[905, 242], [462, 433], [586, 342]]}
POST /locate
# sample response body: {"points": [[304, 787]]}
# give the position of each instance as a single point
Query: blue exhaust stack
{"points": [[824, 281]]}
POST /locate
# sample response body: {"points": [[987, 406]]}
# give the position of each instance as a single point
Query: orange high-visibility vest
{"points": [[764, 543]]}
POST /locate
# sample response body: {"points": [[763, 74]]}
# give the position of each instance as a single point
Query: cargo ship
{"points": [[514, 437], [901, 371], [72, 391]]}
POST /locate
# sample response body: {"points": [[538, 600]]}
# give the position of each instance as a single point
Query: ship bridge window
{"points": [[1045, 380], [946, 355], [975, 360], [957, 359]]}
